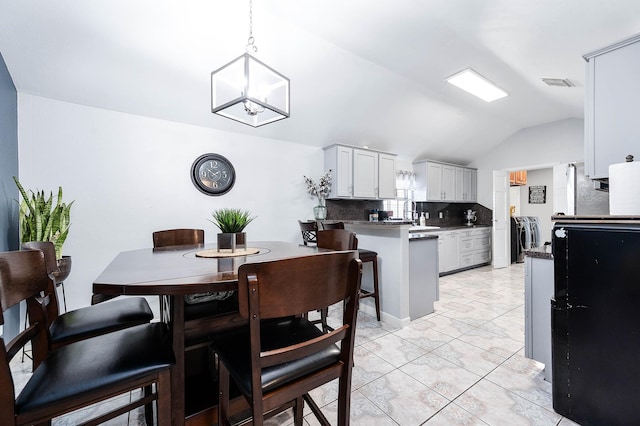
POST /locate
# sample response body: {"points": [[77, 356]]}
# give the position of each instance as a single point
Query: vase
{"points": [[233, 240], [320, 212], [64, 269]]}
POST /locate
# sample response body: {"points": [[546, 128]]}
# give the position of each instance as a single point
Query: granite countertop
{"points": [[543, 252], [429, 228]]}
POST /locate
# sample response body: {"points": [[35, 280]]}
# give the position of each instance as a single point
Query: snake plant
{"points": [[40, 220], [231, 220]]}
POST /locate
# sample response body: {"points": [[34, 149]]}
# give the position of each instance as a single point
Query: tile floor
{"points": [[462, 365]]}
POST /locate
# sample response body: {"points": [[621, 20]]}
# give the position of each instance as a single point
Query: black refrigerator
{"points": [[595, 321]]}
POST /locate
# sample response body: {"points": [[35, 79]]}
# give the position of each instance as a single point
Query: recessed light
{"points": [[472, 82]]}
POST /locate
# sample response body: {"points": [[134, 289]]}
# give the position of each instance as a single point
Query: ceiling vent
{"points": [[559, 82]]}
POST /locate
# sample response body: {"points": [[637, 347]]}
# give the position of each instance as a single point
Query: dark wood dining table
{"points": [[173, 273]]}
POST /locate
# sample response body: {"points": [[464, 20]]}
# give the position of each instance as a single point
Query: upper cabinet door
{"points": [[459, 183], [339, 160], [434, 182], [611, 107], [365, 174], [473, 189], [448, 183], [387, 176]]}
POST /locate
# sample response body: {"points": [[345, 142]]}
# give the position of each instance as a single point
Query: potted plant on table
{"points": [[319, 190], [40, 220], [231, 223]]}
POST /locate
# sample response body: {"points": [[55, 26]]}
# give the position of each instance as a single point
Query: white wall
{"points": [[130, 175], [540, 177], [558, 142]]}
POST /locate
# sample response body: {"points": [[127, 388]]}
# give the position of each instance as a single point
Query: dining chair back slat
{"points": [[178, 237], [337, 239], [308, 229]]}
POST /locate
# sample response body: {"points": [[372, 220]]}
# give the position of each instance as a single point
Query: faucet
{"points": [[409, 211]]}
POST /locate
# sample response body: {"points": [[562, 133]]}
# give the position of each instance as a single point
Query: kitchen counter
{"points": [[410, 225], [543, 252], [400, 276]]}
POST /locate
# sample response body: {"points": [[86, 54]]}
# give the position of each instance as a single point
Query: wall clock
{"points": [[213, 174]]}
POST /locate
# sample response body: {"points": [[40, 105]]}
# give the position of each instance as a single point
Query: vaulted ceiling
{"points": [[362, 72]]}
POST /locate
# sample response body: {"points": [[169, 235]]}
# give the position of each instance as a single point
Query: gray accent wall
{"points": [[9, 238]]}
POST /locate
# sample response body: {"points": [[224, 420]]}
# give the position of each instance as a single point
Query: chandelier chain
{"points": [[251, 47]]}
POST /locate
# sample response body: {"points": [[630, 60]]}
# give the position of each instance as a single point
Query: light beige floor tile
{"points": [[403, 398], [524, 377], [368, 366], [444, 324], [445, 377], [424, 335], [469, 357], [505, 327], [453, 415], [497, 406], [491, 342], [363, 413], [395, 350]]}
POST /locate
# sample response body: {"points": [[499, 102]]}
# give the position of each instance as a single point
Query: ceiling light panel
{"points": [[472, 82]]}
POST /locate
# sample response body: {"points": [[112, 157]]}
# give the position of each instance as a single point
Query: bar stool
{"points": [[308, 230], [365, 256]]}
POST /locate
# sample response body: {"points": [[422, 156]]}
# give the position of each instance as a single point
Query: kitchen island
{"points": [[408, 276]]}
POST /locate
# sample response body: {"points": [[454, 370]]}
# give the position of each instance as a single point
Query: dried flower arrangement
{"points": [[321, 189]]}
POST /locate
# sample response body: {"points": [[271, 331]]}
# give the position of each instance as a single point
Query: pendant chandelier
{"points": [[249, 91]]}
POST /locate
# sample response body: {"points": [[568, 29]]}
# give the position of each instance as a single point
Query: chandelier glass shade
{"points": [[249, 91]]}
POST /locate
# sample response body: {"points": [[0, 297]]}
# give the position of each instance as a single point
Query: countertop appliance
{"points": [[470, 217], [595, 320]]}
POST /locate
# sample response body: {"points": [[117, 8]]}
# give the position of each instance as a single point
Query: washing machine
{"points": [[522, 237]]}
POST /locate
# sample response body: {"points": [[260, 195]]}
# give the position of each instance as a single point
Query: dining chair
{"points": [[334, 239], [81, 373], [365, 256], [308, 229], [89, 321], [280, 356], [178, 237]]}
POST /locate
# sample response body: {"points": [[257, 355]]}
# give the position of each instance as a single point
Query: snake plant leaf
{"points": [[40, 220]]}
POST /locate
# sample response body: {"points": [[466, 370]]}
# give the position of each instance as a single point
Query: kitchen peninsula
{"points": [[408, 262]]}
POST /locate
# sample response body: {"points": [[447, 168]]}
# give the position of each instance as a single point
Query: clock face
{"points": [[213, 174]]}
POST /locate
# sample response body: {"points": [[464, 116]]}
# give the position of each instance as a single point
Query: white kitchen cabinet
{"points": [[460, 249], [611, 106], [339, 159], [360, 173], [468, 184], [450, 251], [459, 183], [432, 182], [448, 183], [475, 246], [444, 182], [365, 174], [386, 176]]}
